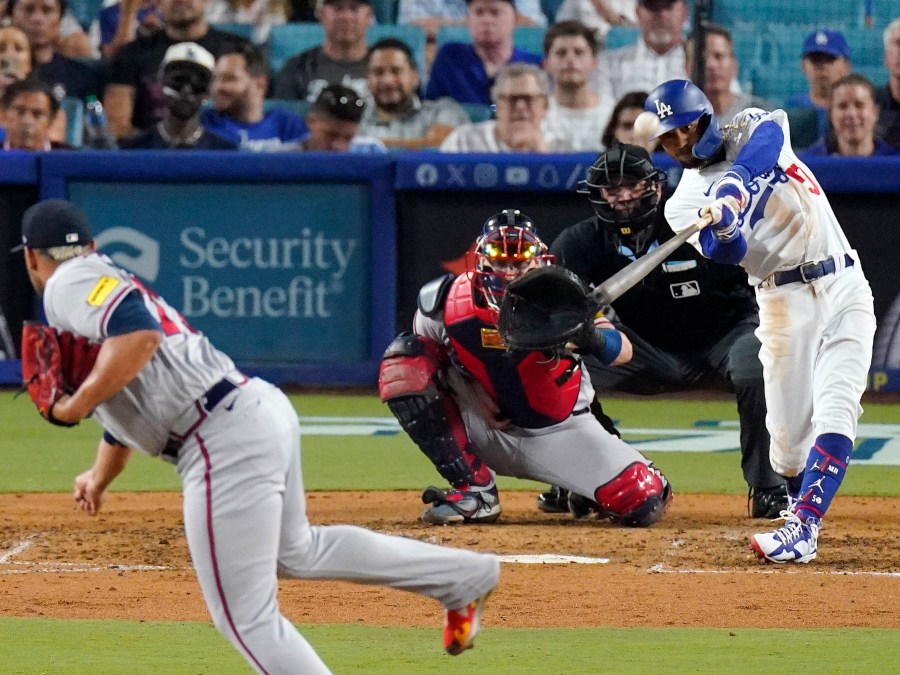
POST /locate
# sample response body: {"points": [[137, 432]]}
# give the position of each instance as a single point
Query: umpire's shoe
{"points": [[450, 507], [767, 503]]}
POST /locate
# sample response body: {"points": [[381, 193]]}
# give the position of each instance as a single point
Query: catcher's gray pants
{"points": [[732, 361], [577, 454]]}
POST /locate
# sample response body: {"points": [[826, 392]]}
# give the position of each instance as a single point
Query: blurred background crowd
{"points": [[455, 75]]}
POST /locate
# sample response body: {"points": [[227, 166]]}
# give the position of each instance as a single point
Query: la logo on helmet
{"points": [[662, 110]]}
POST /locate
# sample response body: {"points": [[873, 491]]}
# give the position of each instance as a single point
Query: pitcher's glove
{"points": [[545, 309], [54, 364]]}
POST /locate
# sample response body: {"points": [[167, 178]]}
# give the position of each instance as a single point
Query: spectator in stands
{"points": [[621, 122], [465, 71], [184, 78], [888, 97], [852, 115], [657, 56], [40, 21], [133, 100], [29, 107], [431, 15], [599, 15], [262, 14], [395, 114], [73, 41], [521, 93], [238, 90], [826, 59], [120, 21], [15, 65], [340, 59], [720, 75], [333, 122], [576, 112]]}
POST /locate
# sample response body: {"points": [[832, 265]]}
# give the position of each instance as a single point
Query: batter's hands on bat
{"points": [[723, 214], [734, 184], [88, 493]]}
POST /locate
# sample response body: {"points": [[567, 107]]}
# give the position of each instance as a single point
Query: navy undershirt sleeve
{"points": [[131, 315], [761, 152]]}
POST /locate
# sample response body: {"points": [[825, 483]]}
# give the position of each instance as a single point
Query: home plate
{"points": [[551, 559]]}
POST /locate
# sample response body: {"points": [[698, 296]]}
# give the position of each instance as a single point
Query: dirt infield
{"points": [[692, 569]]}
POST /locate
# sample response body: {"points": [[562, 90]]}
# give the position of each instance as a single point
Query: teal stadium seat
{"points": [[386, 10], [866, 46], [478, 112], [289, 39], [778, 83], [74, 108], [85, 11], [878, 75], [529, 38], [622, 36], [550, 8], [804, 13], [244, 30], [804, 127]]}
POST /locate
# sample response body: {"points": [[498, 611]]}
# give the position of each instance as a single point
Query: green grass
{"points": [[43, 458], [185, 648]]}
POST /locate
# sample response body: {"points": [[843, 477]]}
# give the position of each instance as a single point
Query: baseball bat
{"points": [[625, 278]]}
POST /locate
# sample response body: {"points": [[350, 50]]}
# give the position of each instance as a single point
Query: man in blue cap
{"points": [[826, 59]]}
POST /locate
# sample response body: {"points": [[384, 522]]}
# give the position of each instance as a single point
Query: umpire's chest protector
{"points": [[533, 389]]}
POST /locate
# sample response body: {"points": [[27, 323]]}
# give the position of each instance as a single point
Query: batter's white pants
{"points": [[816, 352], [245, 520]]}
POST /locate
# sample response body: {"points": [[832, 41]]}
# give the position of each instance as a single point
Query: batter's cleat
{"points": [[795, 541], [462, 625], [451, 507], [554, 500], [767, 503]]}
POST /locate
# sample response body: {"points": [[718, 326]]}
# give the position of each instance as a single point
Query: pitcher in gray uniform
{"points": [[158, 386]]}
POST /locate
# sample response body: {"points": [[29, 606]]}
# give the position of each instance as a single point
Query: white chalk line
{"points": [[550, 559], [60, 567], [660, 568], [17, 549]]}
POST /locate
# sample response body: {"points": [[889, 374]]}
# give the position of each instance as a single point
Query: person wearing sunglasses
{"points": [[184, 78]]}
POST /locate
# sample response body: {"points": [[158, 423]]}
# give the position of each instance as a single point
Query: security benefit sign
{"points": [[271, 273]]}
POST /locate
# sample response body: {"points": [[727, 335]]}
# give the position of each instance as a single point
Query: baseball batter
{"points": [[474, 408], [815, 305], [160, 387]]}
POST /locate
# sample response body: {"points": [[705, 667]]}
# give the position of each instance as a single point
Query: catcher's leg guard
{"points": [[637, 497], [409, 383]]}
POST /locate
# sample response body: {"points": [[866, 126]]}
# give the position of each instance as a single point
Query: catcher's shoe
{"points": [[554, 500], [795, 541], [462, 625], [450, 507], [768, 503]]}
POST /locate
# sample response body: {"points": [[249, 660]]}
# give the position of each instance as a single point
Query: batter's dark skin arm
{"points": [[119, 361]]}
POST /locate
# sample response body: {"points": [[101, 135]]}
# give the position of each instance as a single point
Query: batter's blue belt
{"points": [[204, 405], [809, 271]]}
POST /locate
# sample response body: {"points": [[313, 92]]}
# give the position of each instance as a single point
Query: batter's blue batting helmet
{"points": [[679, 102]]}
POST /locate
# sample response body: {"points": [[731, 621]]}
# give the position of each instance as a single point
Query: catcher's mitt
{"points": [[54, 364], [544, 309]]}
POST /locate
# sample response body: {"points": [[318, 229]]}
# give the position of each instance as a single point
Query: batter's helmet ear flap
{"points": [[677, 103]]}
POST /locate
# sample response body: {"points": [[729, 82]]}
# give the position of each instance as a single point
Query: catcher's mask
{"points": [[623, 188], [507, 248]]}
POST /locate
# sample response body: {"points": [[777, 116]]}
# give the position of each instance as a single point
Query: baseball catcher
{"points": [[475, 405]]}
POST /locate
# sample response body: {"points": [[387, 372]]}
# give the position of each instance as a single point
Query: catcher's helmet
{"points": [[623, 166], [678, 103], [507, 248]]}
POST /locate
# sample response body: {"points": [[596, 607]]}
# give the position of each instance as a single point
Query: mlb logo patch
{"points": [[688, 289]]}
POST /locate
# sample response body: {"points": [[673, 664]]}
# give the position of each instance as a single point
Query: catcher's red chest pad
{"points": [[533, 389]]}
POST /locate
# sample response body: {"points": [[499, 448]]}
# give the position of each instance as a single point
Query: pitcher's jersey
{"points": [[788, 221], [80, 297], [532, 389]]}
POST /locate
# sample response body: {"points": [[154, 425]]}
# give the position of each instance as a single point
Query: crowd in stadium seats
{"points": [[433, 73]]}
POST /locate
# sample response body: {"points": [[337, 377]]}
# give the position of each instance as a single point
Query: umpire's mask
{"points": [[623, 187]]}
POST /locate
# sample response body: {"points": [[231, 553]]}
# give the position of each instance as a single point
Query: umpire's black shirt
{"points": [[687, 303]]}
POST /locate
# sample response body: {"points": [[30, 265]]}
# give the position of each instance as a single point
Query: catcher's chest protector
{"points": [[533, 389]]}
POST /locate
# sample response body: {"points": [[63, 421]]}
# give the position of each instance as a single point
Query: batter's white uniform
{"points": [[816, 337], [244, 505]]}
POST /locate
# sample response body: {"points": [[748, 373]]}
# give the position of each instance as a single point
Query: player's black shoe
{"points": [[768, 503], [554, 500]]}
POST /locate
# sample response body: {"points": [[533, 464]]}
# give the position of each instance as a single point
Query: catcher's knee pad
{"points": [[409, 383], [637, 497]]}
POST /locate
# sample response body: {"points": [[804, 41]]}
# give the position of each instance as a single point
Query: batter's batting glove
{"points": [[734, 184], [723, 214]]}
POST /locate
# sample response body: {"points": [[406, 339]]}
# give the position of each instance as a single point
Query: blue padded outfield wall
{"points": [[304, 266]]}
